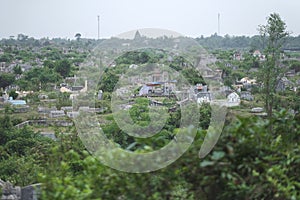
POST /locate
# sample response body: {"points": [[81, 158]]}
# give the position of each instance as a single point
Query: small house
{"points": [[56, 114], [73, 114], [259, 55], [233, 98]]}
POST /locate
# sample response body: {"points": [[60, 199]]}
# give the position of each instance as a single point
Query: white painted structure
{"points": [[233, 98]]}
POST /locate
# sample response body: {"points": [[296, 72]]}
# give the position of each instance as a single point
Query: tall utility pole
{"points": [[218, 23], [98, 27]]}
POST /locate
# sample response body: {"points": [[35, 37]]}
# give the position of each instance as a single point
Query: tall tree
{"points": [[17, 70], [273, 34], [78, 36], [6, 79], [63, 67]]}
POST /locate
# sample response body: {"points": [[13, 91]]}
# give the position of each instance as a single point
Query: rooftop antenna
{"points": [[218, 23], [98, 27]]}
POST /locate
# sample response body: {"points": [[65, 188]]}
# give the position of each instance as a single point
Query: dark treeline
{"points": [[212, 42], [244, 42]]}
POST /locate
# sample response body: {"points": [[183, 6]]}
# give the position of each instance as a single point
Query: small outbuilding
{"points": [[233, 98]]}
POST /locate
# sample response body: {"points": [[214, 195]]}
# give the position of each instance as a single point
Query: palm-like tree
{"points": [[77, 36]]}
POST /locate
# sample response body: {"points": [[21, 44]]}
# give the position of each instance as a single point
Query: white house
{"points": [[247, 80], [259, 55], [204, 99], [233, 98]]}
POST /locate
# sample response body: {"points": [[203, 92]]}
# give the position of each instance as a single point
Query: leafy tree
{"points": [[134, 57], [108, 81], [63, 67], [192, 76], [22, 37], [6, 79], [274, 33], [17, 70], [178, 63], [38, 78], [295, 65], [205, 115], [13, 94], [139, 111], [49, 64], [77, 36], [63, 100], [5, 126], [6, 57]]}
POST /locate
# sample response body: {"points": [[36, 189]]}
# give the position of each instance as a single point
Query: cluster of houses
{"points": [[242, 88], [37, 61], [160, 86], [157, 85], [8, 67], [67, 111], [256, 53]]}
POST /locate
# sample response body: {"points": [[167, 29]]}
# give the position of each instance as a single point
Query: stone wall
{"points": [[9, 192]]}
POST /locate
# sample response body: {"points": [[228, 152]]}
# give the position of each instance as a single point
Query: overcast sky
{"points": [[65, 18]]}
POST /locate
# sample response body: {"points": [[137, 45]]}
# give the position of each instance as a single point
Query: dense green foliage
{"points": [[23, 153], [243, 42], [6, 79], [63, 67], [39, 78], [246, 164]]}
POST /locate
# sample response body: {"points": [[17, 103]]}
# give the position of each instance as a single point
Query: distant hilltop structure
{"points": [[148, 33], [137, 35]]}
